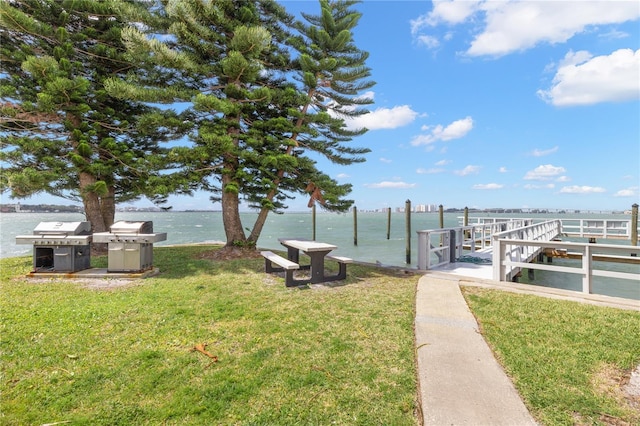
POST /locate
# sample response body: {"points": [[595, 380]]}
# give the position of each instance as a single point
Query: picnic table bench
{"points": [[318, 252], [284, 265]]}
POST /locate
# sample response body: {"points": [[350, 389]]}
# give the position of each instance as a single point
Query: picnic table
{"points": [[317, 252]]}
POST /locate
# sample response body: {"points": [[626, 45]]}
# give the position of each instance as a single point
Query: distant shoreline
{"points": [[52, 208]]}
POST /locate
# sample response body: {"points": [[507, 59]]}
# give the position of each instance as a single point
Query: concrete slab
{"points": [[95, 273], [460, 381], [473, 270]]}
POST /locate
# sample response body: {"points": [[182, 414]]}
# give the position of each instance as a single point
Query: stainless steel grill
{"points": [[130, 245], [59, 246]]}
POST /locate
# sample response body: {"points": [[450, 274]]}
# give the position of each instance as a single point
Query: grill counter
{"points": [[130, 245], [59, 246]]}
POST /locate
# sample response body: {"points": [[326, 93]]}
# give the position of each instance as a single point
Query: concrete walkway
{"points": [[460, 381]]}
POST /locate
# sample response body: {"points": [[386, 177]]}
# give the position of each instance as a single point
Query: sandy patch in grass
{"points": [[91, 283], [108, 283], [624, 387]]}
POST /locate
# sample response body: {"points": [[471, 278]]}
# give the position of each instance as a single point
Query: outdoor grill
{"points": [[59, 246], [130, 245]]}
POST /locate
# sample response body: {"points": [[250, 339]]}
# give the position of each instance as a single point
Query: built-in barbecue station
{"points": [[59, 246], [130, 245]]}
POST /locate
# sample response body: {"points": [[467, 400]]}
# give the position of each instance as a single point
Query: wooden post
{"points": [[407, 212], [355, 226], [388, 223], [441, 214], [634, 224], [313, 222], [465, 222]]}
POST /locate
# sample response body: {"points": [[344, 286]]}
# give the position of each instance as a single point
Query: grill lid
{"points": [[129, 227], [63, 228]]}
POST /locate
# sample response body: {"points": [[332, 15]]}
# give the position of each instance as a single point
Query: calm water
{"points": [[195, 227], [338, 229]]}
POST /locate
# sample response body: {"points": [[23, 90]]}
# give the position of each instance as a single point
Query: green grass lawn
{"points": [[327, 355], [569, 361], [341, 354]]}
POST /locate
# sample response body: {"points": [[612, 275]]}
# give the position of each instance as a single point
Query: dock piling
{"points": [[355, 226], [634, 224], [313, 222], [407, 212]]}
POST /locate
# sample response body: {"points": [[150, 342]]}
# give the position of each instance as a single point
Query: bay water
{"points": [[338, 229], [203, 226]]}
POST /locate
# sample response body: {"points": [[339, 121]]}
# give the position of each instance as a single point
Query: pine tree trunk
{"points": [[108, 207], [91, 202], [258, 225], [231, 215]]}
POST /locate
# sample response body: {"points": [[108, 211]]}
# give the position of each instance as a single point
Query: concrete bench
{"points": [[285, 265], [342, 261]]}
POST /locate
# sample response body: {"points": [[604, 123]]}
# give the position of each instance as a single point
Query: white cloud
{"points": [[488, 186], [468, 170], [392, 185], [443, 162], [512, 26], [544, 172], [385, 160], [449, 12], [431, 171], [628, 192], [541, 153], [422, 140], [455, 130], [576, 189], [503, 170], [429, 41], [383, 118], [517, 26], [370, 95], [614, 34], [547, 186], [343, 176], [585, 80]]}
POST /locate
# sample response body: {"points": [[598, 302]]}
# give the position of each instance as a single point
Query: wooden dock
{"points": [[550, 253], [500, 250]]}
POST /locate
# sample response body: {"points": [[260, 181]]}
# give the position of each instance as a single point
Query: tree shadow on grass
{"points": [[184, 261], [176, 262]]}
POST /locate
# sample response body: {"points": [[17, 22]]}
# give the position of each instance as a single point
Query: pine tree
{"points": [[62, 133], [254, 125], [332, 73]]}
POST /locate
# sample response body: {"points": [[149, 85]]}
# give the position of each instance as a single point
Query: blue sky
{"points": [[523, 104], [500, 104]]}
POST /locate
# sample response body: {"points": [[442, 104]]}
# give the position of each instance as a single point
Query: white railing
{"points": [[515, 244], [434, 248], [520, 253], [580, 228], [588, 252], [485, 220], [482, 234], [601, 228], [437, 247]]}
